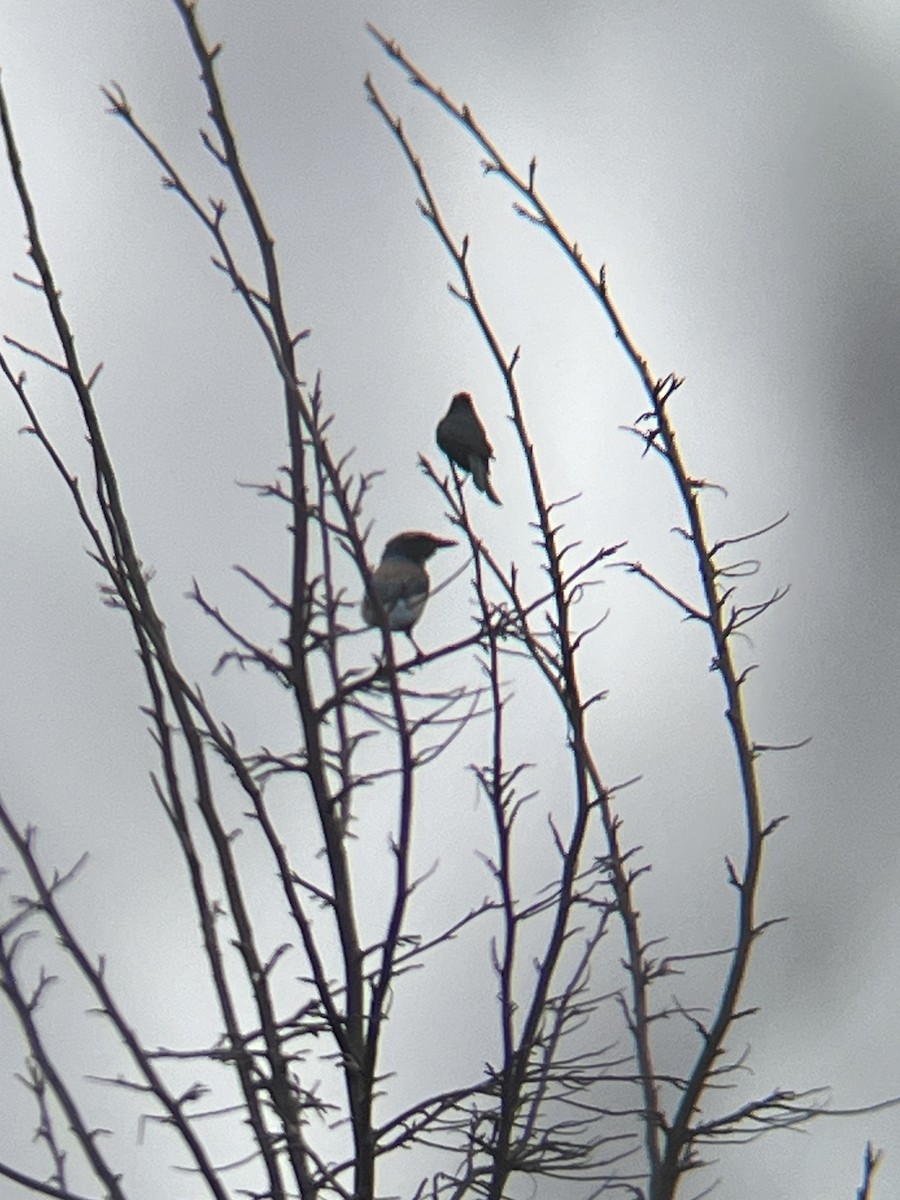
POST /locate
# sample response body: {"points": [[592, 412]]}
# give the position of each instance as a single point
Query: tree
{"points": [[581, 1080]]}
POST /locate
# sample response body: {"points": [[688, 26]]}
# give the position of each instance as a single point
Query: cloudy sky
{"points": [[736, 166]]}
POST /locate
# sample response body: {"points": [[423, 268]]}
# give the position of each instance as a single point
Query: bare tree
{"points": [[306, 1069]]}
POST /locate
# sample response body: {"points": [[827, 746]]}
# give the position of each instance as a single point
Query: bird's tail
{"points": [[481, 480]]}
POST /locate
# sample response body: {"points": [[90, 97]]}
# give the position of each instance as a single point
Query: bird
{"points": [[400, 582], [462, 438]]}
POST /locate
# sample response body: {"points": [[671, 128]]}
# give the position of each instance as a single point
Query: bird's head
{"points": [[415, 545], [462, 402]]}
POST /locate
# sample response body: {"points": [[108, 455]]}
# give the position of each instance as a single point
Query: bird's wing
{"points": [[401, 587], [461, 436]]}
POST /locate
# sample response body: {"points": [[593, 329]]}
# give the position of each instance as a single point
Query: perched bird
{"points": [[400, 581], [462, 438]]}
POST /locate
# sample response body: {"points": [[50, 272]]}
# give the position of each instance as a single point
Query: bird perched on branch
{"points": [[400, 582], [462, 438]]}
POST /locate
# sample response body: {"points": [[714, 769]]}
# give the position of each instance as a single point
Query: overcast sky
{"points": [[737, 167]]}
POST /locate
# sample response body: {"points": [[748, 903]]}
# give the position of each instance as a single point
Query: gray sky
{"points": [[736, 167]]}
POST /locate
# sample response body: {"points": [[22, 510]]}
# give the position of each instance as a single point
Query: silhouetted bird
{"points": [[462, 438], [400, 582]]}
